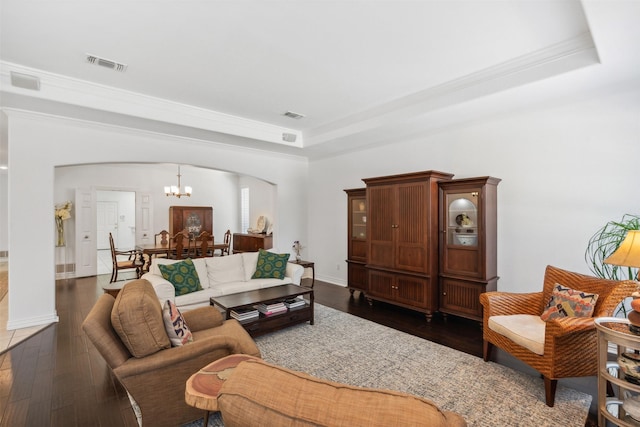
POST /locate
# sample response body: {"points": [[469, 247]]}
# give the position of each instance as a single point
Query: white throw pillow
{"points": [[250, 261], [225, 269]]}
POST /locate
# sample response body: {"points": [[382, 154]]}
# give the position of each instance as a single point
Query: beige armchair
{"points": [[568, 344], [157, 381]]}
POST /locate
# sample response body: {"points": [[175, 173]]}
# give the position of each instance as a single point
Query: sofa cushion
{"points": [[182, 275], [225, 269], [566, 302], [199, 263], [249, 259], [137, 319], [270, 265], [256, 390], [175, 325], [526, 330]]}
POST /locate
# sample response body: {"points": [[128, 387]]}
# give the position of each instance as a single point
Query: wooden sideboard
{"points": [[251, 242]]}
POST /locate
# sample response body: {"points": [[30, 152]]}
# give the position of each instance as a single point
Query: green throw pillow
{"points": [[270, 265], [182, 275]]}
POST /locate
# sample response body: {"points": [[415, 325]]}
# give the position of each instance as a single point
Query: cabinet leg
{"points": [[370, 301], [429, 316]]}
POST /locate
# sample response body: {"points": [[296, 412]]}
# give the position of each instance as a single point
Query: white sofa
{"points": [[221, 275]]}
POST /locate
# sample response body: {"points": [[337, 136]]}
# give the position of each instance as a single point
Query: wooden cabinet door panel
{"points": [[461, 297], [359, 250], [411, 290], [357, 276], [411, 231], [380, 223], [381, 284], [462, 260]]}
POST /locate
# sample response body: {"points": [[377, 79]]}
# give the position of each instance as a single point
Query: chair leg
{"points": [[550, 391], [114, 275], [487, 349]]}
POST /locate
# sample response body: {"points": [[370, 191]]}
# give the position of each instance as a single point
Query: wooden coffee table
{"points": [[265, 324]]}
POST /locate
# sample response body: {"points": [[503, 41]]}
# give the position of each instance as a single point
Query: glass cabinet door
{"points": [[462, 218], [358, 218]]}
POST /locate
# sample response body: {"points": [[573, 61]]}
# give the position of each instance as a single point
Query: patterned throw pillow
{"points": [[566, 302], [270, 265], [178, 331], [182, 275]]}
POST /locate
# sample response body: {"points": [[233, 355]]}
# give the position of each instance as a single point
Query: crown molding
{"points": [[58, 88], [571, 54]]}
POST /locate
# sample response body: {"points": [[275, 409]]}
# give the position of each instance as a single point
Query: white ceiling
{"points": [[362, 72]]}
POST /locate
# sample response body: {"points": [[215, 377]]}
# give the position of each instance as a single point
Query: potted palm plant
{"points": [[603, 243]]}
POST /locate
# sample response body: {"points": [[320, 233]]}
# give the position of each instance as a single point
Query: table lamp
{"points": [[628, 255]]}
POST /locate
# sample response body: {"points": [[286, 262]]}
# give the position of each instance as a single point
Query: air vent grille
{"points": [[294, 115], [106, 63]]}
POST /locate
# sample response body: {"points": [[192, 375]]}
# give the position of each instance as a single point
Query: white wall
{"points": [[565, 170], [4, 210], [38, 143]]}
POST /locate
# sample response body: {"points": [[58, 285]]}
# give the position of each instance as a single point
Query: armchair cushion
{"points": [[565, 302], [270, 265], [137, 319], [182, 275], [177, 329], [526, 330]]}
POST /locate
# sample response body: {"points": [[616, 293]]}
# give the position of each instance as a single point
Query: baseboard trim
{"points": [[31, 322]]}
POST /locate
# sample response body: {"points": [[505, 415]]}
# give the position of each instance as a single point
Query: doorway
{"points": [[115, 214]]}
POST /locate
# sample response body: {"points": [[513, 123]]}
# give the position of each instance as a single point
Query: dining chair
{"points": [[202, 246], [180, 245], [223, 247], [162, 238], [227, 243], [133, 261]]}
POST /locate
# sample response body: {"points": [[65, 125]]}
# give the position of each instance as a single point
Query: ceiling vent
{"points": [[293, 115], [25, 81], [288, 137], [106, 63]]}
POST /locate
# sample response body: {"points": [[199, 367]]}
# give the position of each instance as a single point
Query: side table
{"points": [[614, 331], [114, 288], [202, 388], [307, 265]]}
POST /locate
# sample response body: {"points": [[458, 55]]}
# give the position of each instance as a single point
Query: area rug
{"points": [[345, 348]]}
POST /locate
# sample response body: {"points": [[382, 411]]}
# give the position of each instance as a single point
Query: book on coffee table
{"points": [[270, 309], [244, 313], [294, 302]]}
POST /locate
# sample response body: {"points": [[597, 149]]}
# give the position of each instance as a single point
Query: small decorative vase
{"points": [[60, 241]]}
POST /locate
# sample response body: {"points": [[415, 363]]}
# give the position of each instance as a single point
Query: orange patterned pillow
{"points": [[566, 302]]}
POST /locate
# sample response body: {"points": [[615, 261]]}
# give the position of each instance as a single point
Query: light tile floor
{"points": [[8, 338]]}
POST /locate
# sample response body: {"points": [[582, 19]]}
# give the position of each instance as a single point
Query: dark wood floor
{"points": [[56, 378]]}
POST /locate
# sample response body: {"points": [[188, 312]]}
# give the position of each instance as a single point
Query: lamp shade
{"points": [[628, 253]]}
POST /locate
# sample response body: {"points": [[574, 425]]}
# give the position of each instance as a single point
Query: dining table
{"points": [[154, 249]]}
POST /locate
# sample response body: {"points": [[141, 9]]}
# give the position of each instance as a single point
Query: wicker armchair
{"points": [[570, 345]]}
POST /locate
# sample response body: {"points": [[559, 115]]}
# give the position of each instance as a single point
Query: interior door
{"points": [[107, 222], [86, 257]]}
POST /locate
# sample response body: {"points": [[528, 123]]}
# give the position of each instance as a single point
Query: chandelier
{"points": [[175, 190]]}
